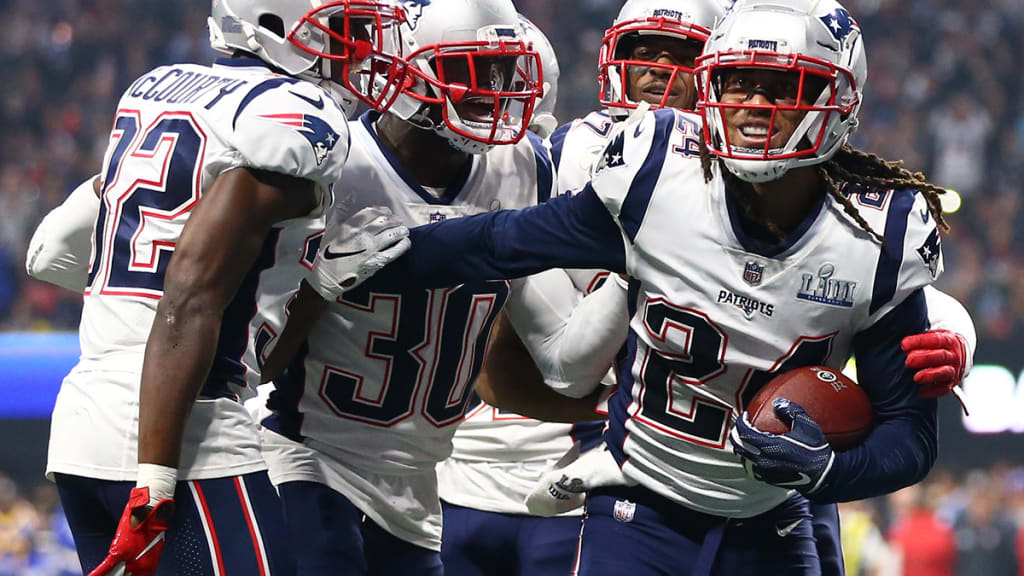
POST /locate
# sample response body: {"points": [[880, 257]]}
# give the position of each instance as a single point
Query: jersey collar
{"points": [[732, 214], [453, 191]]}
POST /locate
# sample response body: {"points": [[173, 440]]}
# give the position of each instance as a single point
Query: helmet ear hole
{"points": [[272, 23]]}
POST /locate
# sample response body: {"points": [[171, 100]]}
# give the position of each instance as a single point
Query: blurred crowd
{"points": [[945, 526], [34, 536], [943, 95]]}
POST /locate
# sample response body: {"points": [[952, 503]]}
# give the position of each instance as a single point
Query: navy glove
{"points": [[800, 459]]}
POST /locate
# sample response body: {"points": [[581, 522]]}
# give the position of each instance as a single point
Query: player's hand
{"points": [[940, 359], [139, 539], [357, 249], [800, 459], [564, 487]]}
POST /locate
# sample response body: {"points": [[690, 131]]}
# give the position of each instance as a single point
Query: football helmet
{"points": [[544, 120], [688, 20], [352, 48], [817, 39], [473, 78]]}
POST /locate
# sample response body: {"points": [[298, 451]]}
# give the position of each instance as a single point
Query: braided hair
{"points": [[848, 166]]}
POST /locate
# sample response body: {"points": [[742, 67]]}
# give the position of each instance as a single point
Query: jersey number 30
{"points": [[436, 341]]}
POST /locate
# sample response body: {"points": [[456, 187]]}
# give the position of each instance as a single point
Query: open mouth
{"points": [[478, 110], [755, 135]]}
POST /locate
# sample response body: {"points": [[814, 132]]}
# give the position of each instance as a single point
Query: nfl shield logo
{"points": [[437, 217], [624, 510], [752, 273]]}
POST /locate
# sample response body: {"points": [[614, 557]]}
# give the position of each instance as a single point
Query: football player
{"points": [[765, 244], [498, 456], [189, 173], [652, 46], [368, 407]]}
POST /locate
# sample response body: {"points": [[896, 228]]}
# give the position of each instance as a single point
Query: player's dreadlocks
{"points": [[848, 166]]}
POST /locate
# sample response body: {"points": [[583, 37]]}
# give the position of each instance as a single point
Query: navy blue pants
{"points": [[330, 536], [635, 531], [479, 543], [222, 527], [826, 536]]}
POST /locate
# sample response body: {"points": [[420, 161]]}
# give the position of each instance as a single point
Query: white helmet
{"points": [[311, 39], [688, 20], [479, 45], [544, 120], [815, 38]]}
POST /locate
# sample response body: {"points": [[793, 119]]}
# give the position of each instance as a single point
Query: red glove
{"points": [[940, 358], [136, 549]]}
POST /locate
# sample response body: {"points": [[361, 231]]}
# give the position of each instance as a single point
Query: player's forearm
{"points": [[59, 250], [903, 446], [179, 354], [305, 311], [898, 453]]}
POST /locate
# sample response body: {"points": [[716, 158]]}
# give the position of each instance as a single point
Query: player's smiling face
{"points": [[651, 84], [752, 127]]}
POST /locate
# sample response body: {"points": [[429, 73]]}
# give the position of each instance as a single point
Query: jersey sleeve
{"points": [[903, 446], [627, 172], [59, 250], [947, 313], [911, 255], [572, 341], [292, 127]]}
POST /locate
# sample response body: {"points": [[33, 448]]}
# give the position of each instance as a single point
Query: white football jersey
{"points": [[498, 457], [387, 377], [177, 128], [714, 315]]}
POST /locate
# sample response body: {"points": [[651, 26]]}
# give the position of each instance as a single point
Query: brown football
{"points": [[835, 402]]}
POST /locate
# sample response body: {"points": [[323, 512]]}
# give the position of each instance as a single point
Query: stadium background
{"points": [[944, 94]]}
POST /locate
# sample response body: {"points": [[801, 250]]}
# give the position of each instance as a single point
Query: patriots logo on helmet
{"points": [[319, 133], [414, 10], [839, 23]]}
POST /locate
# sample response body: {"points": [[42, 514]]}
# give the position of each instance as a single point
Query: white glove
{"points": [[357, 249], [564, 488]]}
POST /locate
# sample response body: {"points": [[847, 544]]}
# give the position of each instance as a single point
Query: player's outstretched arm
{"points": [[222, 240], [59, 250], [902, 448], [510, 381], [564, 232]]}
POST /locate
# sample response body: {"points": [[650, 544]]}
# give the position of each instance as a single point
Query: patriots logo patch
{"points": [[931, 252], [319, 133], [839, 23], [613, 156]]}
